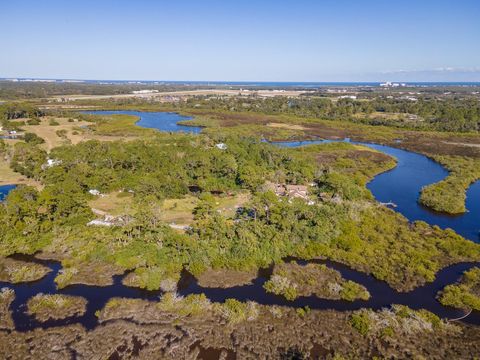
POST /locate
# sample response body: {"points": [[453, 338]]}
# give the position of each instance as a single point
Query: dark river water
{"points": [[400, 185]]}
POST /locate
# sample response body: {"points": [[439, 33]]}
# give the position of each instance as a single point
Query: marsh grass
{"points": [[55, 306], [18, 271], [399, 320]]}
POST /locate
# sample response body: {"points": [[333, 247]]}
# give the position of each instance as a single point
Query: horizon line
{"points": [[52, 79]]}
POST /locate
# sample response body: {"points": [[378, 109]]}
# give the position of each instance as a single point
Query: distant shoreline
{"points": [[300, 84]]}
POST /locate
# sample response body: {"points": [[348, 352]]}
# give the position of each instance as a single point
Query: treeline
{"points": [[13, 110], [460, 115], [34, 90]]}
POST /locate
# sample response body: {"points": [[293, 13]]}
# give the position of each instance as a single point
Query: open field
{"points": [[116, 203], [67, 131], [8, 176], [180, 211], [184, 93], [72, 131]]}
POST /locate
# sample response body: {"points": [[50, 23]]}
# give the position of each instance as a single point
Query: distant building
{"points": [[392, 84], [144, 91], [221, 146], [94, 192]]}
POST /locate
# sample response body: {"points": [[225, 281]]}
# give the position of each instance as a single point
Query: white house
{"points": [[53, 162], [222, 146]]}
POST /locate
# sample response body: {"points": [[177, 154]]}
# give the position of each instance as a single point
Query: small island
{"points": [[16, 271], [46, 307], [292, 280]]}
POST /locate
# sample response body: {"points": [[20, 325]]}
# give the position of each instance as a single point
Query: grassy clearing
{"points": [[180, 211], [57, 131], [192, 305], [449, 195], [115, 203], [48, 306], [8, 176], [465, 294]]}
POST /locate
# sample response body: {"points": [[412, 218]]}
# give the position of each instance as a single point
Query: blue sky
{"points": [[329, 40]]}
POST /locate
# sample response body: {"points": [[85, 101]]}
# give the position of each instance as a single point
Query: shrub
{"points": [[33, 139], [235, 311], [61, 133], [186, 306], [281, 285], [33, 121], [360, 321], [352, 291]]}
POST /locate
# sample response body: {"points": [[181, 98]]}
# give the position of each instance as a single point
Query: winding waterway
{"points": [[164, 121], [400, 185]]}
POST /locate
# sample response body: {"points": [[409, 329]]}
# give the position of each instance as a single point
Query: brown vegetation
{"points": [[6, 298], [46, 307], [140, 329], [225, 278], [16, 271]]}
